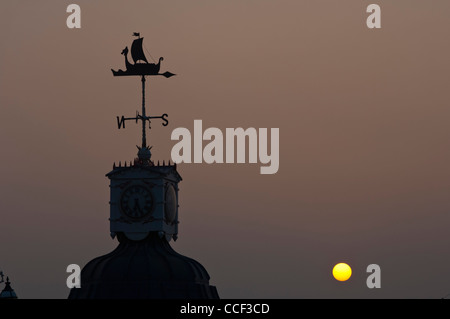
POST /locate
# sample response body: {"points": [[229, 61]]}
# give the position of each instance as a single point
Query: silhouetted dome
{"points": [[8, 292], [146, 269]]}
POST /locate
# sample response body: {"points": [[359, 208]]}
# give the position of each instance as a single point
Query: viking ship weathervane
{"points": [[142, 69]]}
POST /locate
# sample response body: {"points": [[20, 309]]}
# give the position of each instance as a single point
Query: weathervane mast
{"points": [[144, 138], [141, 69]]}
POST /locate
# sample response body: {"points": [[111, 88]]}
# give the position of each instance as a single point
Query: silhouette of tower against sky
{"points": [[144, 218]]}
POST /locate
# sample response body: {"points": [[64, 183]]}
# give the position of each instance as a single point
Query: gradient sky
{"points": [[364, 140]]}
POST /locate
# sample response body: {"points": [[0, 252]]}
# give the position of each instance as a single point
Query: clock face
{"points": [[136, 201], [170, 205]]}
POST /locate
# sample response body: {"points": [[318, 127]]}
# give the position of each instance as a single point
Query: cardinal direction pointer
{"points": [[121, 120]]}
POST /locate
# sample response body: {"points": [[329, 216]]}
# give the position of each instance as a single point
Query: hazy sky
{"points": [[364, 140]]}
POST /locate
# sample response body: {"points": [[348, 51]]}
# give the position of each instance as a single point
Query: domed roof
{"points": [[8, 292], [145, 269]]}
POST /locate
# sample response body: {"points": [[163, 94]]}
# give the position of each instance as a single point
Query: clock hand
{"points": [[137, 207]]}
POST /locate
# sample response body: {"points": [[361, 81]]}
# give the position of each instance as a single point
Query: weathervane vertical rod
{"points": [[144, 139]]}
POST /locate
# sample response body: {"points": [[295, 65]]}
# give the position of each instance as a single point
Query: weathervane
{"points": [[142, 69]]}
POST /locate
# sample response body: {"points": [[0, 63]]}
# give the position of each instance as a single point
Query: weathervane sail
{"points": [[136, 51]]}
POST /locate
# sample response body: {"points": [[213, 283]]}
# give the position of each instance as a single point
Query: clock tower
{"points": [[144, 219], [144, 199]]}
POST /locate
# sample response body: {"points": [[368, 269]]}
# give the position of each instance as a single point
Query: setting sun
{"points": [[342, 272]]}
